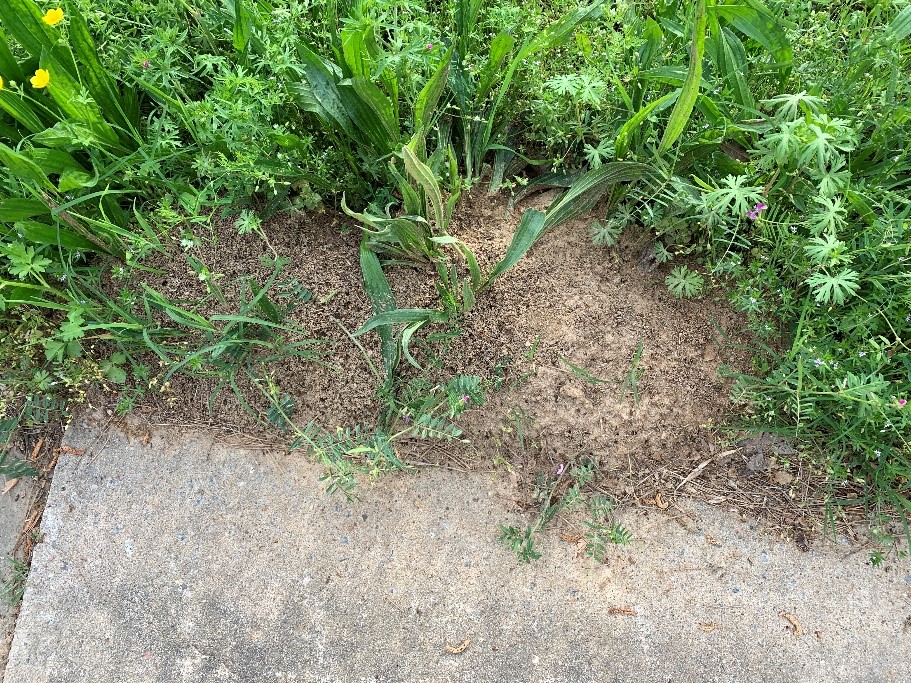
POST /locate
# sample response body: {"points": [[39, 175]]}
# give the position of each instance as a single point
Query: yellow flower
{"points": [[53, 17], [40, 79]]}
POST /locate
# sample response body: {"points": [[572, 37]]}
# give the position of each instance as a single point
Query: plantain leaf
{"points": [[20, 110], [96, 78], [355, 53], [372, 112], [42, 233], [54, 161], [900, 27], [427, 180], [652, 45], [24, 168], [12, 210], [466, 18], [68, 94], [22, 19], [243, 25], [426, 103], [756, 21], [592, 186], [500, 48], [690, 89], [621, 144], [381, 301], [402, 316], [9, 66], [734, 67], [531, 227], [324, 93]]}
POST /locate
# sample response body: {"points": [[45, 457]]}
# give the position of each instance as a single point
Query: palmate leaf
{"points": [[821, 249], [834, 288]]}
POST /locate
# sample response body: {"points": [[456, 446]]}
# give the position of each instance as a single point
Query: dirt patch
{"points": [[571, 322]]}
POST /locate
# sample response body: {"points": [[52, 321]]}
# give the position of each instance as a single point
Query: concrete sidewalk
{"points": [[183, 560]]}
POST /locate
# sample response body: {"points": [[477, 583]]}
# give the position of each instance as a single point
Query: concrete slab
{"points": [[15, 506], [183, 560]]}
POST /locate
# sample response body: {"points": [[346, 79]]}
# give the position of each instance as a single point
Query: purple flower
{"points": [[753, 215], [429, 46], [561, 468], [146, 64], [464, 400], [760, 207], [902, 403]]}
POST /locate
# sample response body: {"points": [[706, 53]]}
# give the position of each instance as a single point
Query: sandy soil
{"points": [[566, 305]]}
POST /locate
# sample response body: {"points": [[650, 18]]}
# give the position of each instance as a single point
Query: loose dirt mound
{"points": [[567, 321]]}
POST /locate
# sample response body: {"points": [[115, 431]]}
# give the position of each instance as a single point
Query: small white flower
{"points": [[861, 354], [877, 453], [818, 362]]}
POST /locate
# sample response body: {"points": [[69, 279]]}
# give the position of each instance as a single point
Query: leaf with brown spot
{"points": [[798, 628], [460, 648], [624, 611]]}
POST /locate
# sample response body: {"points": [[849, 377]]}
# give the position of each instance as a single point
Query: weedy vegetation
{"points": [[762, 148]]}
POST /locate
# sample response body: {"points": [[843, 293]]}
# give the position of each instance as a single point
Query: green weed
{"points": [[567, 491], [13, 587]]}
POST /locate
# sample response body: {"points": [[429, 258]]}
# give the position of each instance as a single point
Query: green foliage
{"points": [[768, 144], [13, 587], [683, 282], [568, 491]]}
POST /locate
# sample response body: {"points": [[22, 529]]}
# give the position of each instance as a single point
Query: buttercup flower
{"points": [[40, 79], [53, 17]]}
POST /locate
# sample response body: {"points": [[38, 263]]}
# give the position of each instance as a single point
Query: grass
{"points": [[718, 129], [13, 587]]}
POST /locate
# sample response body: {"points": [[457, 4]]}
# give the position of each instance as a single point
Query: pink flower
{"points": [[902, 403], [561, 468], [753, 214], [760, 206], [146, 64], [429, 46]]}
